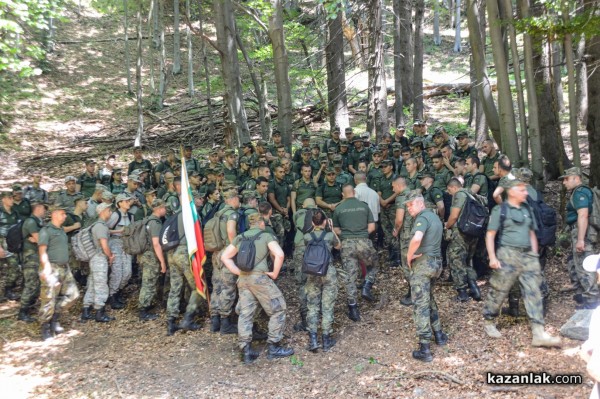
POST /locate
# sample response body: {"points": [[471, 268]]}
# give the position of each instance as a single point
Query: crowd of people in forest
{"points": [[333, 211]]}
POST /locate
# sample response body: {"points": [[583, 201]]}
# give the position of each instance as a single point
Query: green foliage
{"points": [[295, 360], [551, 25]]}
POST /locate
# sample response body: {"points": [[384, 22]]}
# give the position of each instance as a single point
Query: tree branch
{"points": [[252, 15]]}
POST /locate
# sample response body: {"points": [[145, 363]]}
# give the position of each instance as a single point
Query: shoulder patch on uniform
{"points": [[234, 216], [419, 223], [581, 198]]}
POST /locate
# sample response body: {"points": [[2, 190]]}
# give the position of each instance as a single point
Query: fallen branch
{"points": [[422, 374], [116, 39]]}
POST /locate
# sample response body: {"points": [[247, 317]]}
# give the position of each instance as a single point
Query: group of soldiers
{"points": [[403, 196]]}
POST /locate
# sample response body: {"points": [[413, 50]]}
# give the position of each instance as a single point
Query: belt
{"points": [[518, 249], [59, 264]]}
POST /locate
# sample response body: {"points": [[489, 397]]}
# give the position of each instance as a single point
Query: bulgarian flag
{"points": [[193, 232]]}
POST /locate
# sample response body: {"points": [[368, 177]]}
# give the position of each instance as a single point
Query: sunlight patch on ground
{"points": [[453, 361]]}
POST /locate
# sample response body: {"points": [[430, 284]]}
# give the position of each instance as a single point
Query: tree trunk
{"points": [[162, 56], [406, 57], [377, 110], [351, 37], [418, 61], [437, 40], [582, 83], [176, 39], [211, 128], [138, 79], [126, 38], [457, 38], [475, 10], [593, 94], [236, 123], [508, 131], [190, 51], [152, 10], [557, 72], [155, 24], [398, 104], [282, 79], [537, 164], [568, 48], [336, 77]]}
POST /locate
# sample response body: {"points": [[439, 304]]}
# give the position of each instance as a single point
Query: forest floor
{"points": [[83, 96]]}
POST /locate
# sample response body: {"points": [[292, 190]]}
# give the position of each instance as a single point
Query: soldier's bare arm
{"points": [[490, 244], [277, 254], [582, 225], [227, 259], [159, 254], [415, 242]]}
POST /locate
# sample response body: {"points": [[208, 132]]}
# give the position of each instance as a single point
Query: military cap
{"points": [[245, 160], [102, 207], [157, 203], [17, 188], [82, 197], [396, 146], [35, 203], [261, 143], [425, 174], [413, 195], [122, 197], [249, 194], [113, 156], [149, 192], [418, 122], [70, 178], [213, 152], [306, 150], [439, 129], [524, 174], [315, 145], [228, 194], [430, 145], [247, 144], [228, 185], [194, 173], [276, 132], [348, 129], [331, 151], [187, 147], [387, 162], [329, 170], [117, 170], [216, 147], [107, 195], [382, 146], [139, 171], [574, 171], [357, 138], [134, 178], [57, 207], [437, 134], [323, 157], [305, 137], [462, 134], [343, 142], [366, 136], [376, 152], [337, 158], [138, 147], [6, 194], [254, 218], [218, 170], [90, 161], [100, 187], [401, 127], [229, 152], [514, 183], [336, 128]]}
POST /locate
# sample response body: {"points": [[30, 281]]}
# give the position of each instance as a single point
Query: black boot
{"points": [[46, 332], [24, 316], [545, 305], [462, 295], [302, 325], [120, 297], [188, 324], [474, 291], [313, 343], [227, 327], [353, 313], [56, 327], [577, 298], [328, 342], [423, 354], [171, 326], [258, 335], [513, 307], [102, 317], [215, 324], [395, 258], [113, 303], [366, 291], [277, 351], [248, 354], [440, 337], [86, 314], [145, 314], [406, 299], [11, 295]]}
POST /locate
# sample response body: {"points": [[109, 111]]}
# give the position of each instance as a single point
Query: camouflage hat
{"points": [[323, 157], [187, 147], [89, 162], [306, 150], [425, 174], [57, 207], [357, 138], [139, 171], [17, 188], [249, 194], [107, 196], [336, 128], [329, 170], [315, 145], [276, 132], [413, 195], [149, 192], [366, 136], [218, 170], [261, 143], [343, 142], [348, 129], [514, 183], [229, 152], [437, 134], [213, 152], [396, 146], [35, 203], [254, 218], [376, 152], [100, 187], [134, 178], [70, 178], [82, 197], [117, 170], [157, 203], [387, 162], [228, 194], [337, 158], [462, 134], [574, 171], [418, 122], [382, 147], [305, 137], [430, 145], [122, 197], [401, 127], [439, 129], [248, 144], [245, 160], [113, 156], [102, 207], [524, 174], [331, 151], [6, 194], [194, 173]]}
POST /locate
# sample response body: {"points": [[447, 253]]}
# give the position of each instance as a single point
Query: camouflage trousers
{"points": [[586, 282], [425, 270], [388, 219], [31, 279], [217, 285], [224, 282], [75, 265], [257, 288], [459, 253], [58, 291], [521, 266], [96, 292], [120, 271], [150, 273], [321, 293], [280, 225], [10, 268], [300, 277], [180, 273], [353, 251], [515, 291], [404, 243]]}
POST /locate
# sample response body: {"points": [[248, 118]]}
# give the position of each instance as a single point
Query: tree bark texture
{"points": [[457, 38], [593, 93], [582, 82], [336, 76], [418, 60], [126, 38], [206, 75], [138, 79], [189, 51], [162, 83], [407, 48], [437, 40], [398, 55], [176, 39], [377, 110]]}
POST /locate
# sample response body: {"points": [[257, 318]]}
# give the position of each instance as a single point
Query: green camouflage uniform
{"points": [[96, 292], [303, 191], [373, 174], [387, 217], [88, 184], [480, 180], [23, 208], [404, 234], [226, 281], [441, 178], [488, 164], [31, 262], [149, 265], [180, 273], [460, 248], [330, 194], [466, 153], [67, 199], [281, 190], [8, 266], [299, 249]]}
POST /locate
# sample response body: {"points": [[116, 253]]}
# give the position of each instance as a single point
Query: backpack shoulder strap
{"points": [[503, 212]]}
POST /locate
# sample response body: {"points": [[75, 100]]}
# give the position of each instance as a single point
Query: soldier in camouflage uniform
{"points": [[302, 189], [374, 169], [321, 292], [86, 184], [424, 258], [58, 289], [442, 175], [387, 199], [257, 287], [31, 259], [9, 262], [34, 192], [75, 221], [329, 194], [402, 228], [515, 259], [463, 149], [279, 197], [353, 222], [491, 156], [152, 261], [434, 197], [67, 197], [21, 204]]}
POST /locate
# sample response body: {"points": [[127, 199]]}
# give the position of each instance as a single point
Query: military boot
{"points": [[328, 342], [56, 327], [513, 307], [248, 354], [102, 317], [474, 291], [542, 338], [24, 316], [491, 330], [258, 335], [11, 295], [353, 313], [215, 323], [86, 314], [145, 314], [277, 351], [114, 303], [440, 337], [188, 324], [302, 325], [423, 354], [171, 326], [366, 291], [407, 299], [46, 332], [120, 297], [313, 343], [227, 327], [462, 295], [395, 258]]}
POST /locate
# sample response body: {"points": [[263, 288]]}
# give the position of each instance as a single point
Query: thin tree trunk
{"points": [[593, 120], [582, 83], [176, 39], [557, 71], [351, 37], [336, 77], [377, 117], [510, 145], [556, 106], [312, 72], [568, 48], [398, 104], [211, 128], [162, 57], [155, 25], [281, 70], [138, 79], [190, 51], [457, 38], [151, 15], [418, 60], [437, 40], [406, 58], [126, 38]]}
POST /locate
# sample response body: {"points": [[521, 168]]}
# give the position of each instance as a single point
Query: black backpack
{"points": [[247, 252], [316, 256], [14, 237], [241, 224], [169, 233], [473, 219], [545, 218], [492, 185], [307, 227]]}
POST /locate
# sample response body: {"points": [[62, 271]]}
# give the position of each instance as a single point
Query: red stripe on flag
{"points": [[197, 262]]}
